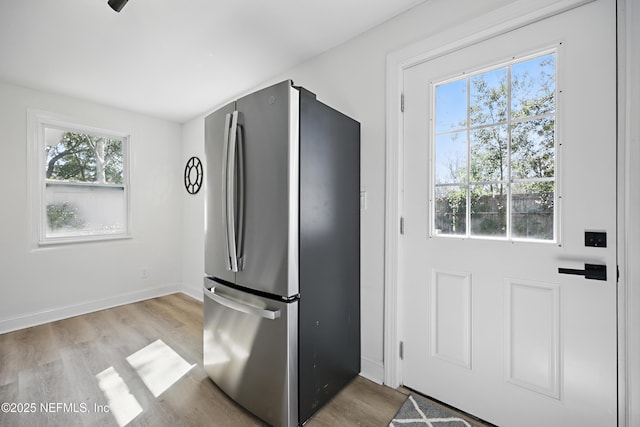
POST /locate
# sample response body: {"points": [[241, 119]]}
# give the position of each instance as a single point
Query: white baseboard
{"points": [[194, 291], [372, 370], [14, 323]]}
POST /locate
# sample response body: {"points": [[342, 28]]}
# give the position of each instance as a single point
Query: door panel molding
{"points": [[451, 312], [535, 371]]}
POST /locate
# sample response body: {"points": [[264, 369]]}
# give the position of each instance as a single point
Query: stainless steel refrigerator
{"points": [[282, 252]]}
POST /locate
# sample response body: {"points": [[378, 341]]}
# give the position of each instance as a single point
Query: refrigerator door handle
{"points": [[239, 306], [229, 195], [239, 254], [225, 187], [232, 191]]}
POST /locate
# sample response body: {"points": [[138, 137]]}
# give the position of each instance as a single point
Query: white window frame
{"points": [[510, 181], [37, 121]]}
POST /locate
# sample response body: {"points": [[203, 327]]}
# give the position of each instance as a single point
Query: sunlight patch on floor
{"points": [[159, 366], [122, 404]]}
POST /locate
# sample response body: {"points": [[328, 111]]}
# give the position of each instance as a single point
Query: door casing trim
{"points": [[492, 24]]}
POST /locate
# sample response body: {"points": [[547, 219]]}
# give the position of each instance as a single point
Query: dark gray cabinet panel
{"points": [[329, 333]]}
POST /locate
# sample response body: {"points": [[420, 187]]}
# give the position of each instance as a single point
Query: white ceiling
{"points": [[172, 59]]}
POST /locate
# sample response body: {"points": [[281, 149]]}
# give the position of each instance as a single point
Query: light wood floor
{"points": [[70, 372]]}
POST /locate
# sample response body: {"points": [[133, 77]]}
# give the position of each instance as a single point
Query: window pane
{"points": [[488, 210], [74, 210], [81, 157], [113, 161], [450, 210], [488, 100], [533, 149], [489, 154], [532, 208], [451, 106], [533, 86], [451, 158]]}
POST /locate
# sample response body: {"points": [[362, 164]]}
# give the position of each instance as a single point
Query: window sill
{"points": [[71, 240]]}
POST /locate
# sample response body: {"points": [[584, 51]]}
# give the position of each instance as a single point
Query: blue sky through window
{"points": [[530, 79]]}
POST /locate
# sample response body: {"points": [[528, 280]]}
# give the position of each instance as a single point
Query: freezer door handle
{"points": [[239, 306], [229, 191]]}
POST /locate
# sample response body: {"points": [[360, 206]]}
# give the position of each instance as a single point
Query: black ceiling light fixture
{"points": [[117, 5]]}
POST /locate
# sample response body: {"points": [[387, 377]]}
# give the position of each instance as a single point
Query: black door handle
{"points": [[591, 271]]}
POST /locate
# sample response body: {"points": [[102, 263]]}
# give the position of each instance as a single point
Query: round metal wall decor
{"points": [[193, 175]]}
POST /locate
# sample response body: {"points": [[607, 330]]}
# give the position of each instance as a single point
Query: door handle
{"points": [[239, 223], [225, 189], [591, 271], [232, 191], [229, 196]]}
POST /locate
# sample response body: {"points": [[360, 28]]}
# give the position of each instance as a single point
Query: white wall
{"points": [[193, 213], [39, 285]]}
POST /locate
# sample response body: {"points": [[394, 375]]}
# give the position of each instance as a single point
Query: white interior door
{"points": [[503, 176]]}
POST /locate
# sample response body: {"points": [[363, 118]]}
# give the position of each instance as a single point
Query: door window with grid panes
{"points": [[494, 152]]}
